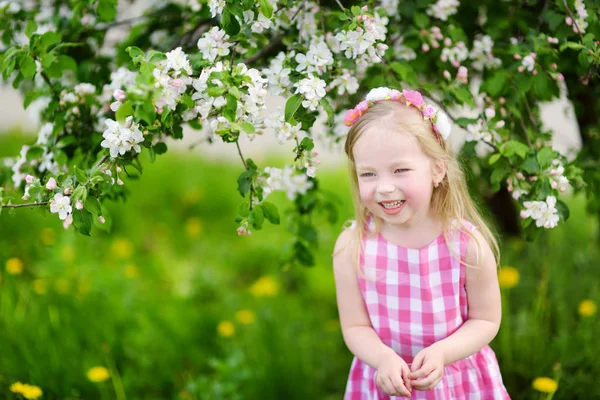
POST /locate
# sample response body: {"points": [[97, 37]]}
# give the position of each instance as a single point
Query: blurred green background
{"points": [[172, 304]]}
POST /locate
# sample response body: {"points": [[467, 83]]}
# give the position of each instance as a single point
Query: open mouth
{"points": [[390, 205]]}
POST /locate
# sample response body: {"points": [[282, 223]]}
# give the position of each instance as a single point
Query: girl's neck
{"points": [[415, 236]]}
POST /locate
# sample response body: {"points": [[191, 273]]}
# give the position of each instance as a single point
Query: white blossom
{"points": [[62, 205], [120, 139], [443, 9], [214, 43], [482, 54], [216, 7], [313, 90]]}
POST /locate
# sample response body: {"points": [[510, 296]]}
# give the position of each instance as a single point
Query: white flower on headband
{"points": [[377, 94]]}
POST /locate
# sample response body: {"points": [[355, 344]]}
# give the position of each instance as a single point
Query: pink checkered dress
{"points": [[414, 298]]}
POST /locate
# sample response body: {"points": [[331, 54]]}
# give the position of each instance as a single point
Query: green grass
{"points": [[145, 299]]}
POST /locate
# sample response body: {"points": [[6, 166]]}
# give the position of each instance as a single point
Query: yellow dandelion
{"points": [[25, 390], [39, 286], [545, 385], [62, 285], [508, 277], [226, 329], [47, 236], [98, 374], [31, 392], [16, 387], [122, 248], [191, 197], [587, 308], [193, 227], [245, 317], [14, 266], [131, 271], [265, 286]]}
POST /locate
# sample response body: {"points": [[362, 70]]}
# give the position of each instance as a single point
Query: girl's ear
{"points": [[439, 171]]}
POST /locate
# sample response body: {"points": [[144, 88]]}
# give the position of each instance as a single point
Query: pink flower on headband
{"points": [[362, 106], [395, 94], [351, 117], [413, 97], [429, 111]]}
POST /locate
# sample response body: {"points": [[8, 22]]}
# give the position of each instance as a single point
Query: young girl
{"points": [[416, 281]]}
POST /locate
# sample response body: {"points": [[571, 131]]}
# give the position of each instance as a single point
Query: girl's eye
{"points": [[401, 170], [366, 174]]}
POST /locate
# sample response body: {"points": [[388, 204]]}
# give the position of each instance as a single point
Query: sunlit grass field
{"points": [[172, 304]]}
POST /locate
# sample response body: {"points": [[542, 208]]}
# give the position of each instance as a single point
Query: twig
{"points": [[533, 122], [573, 18], [526, 133], [43, 203], [102, 161], [341, 5], [275, 41]]}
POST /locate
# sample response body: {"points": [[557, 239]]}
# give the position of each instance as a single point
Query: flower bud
{"points": [[447, 75], [520, 175], [79, 205], [521, 68], [523, 214], [119, 182], [365, 8], [29, 178], [569, 21], [500, 124], [425, 47], [517, 56], [67, 191], [119, 169], [101, 219], [25, 198], [463, 72], [435, 44], [51, 185], [502, 100], [68, 221], [119, 94], [447, 42]]}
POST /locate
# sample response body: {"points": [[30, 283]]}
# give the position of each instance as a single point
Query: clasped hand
{"points": [[395, 378]]}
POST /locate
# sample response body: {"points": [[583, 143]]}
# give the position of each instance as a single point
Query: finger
{"points": [[405, 378], [384, 386], [399, 387], [418, 361], [421, 372], [428, 382]]}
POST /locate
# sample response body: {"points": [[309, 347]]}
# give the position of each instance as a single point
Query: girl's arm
{"points": [[359, 335], [483, 299]]}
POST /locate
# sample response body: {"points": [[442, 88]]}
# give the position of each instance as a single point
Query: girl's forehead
{"points": [[378, 140]]}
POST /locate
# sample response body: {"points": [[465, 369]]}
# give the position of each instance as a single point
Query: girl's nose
{"points": [[385, 188]]}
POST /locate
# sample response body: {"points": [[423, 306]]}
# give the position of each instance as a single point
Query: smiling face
{"points": [[395, 178]]}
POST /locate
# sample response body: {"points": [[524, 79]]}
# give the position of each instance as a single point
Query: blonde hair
{"points": [[450, 201]]}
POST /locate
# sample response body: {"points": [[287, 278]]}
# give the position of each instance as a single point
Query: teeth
{"points": [[392, 205]]}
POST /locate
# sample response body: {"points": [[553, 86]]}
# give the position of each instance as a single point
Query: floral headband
{"points": [[439, 120]]}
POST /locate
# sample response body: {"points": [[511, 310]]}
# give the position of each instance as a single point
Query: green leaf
{"points": [[28, 66], [500, 171], [291, 106], [124, 111], [495, 85], [355, 10], [514, 147], [30, 96], [257, 217], [160, 148], [107, 10], [563, 210], [531, 165], [33, 153], [271, 212], [421, 20], [303, 254], [30, 28], [307, 144], [47, 60], [80, 175], [570, 45], [495, 157], [545, 156], [464, 95], [405, 72], [82, 219], [230, 110], [67, 63], [48, 39], [135, 53], [245, 181], [247, 127], [92, 205], [266, 8]]}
